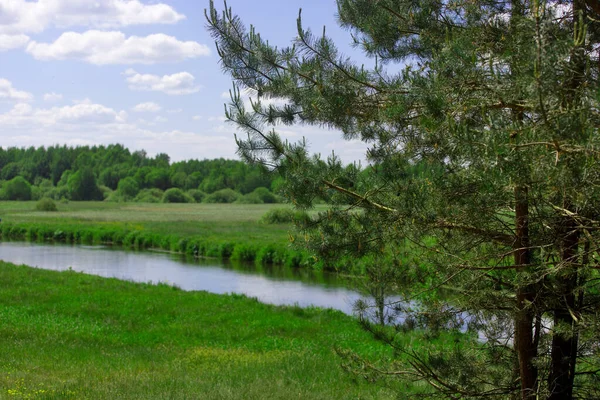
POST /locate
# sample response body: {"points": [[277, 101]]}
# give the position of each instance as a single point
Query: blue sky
{"points": [[137, 72]]}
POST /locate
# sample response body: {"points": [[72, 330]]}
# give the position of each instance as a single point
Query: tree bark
{"points": [[524, 320], [564, 345]]}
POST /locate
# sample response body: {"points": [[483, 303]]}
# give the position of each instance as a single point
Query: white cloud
{"points": [[175, 84], [83, 113], [147, 107], [21, 16], [160, 119], [175, 111], [113, 47], [52, 97], [197, 117], [8, 92], [10, 42]]}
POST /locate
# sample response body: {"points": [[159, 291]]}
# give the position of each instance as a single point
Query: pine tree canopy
{"points": [[480, 205]]}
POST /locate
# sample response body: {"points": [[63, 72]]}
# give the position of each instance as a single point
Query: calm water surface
{"points": [[282, 286]]}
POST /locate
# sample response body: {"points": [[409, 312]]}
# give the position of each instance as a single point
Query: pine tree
{"points": [[498, 101]]}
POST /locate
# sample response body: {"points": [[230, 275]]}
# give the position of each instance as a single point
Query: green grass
{"points": [[212, 230], [236, 221], [67, 335]]}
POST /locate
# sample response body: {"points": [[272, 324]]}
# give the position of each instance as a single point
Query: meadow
{"points": [[67, 335], [209, 230]]}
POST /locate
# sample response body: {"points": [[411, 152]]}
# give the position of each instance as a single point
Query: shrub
{"points": [[46, 204], [250, 198], [222, 196], [284, 216], [149, 196], [265, 195], [17, 189], [58, 193], [128, 188], [176, 195], [197, 195]]}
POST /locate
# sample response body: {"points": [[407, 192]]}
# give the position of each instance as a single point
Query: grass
{"points": [[67, 335], [213, 230]]}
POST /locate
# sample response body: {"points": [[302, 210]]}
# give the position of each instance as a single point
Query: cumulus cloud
{"points": [[147, 107], [176, 84], [10, 42], [113, 47], [21, 16], [88, 123], [52, 97], [8, 92], [83, 113]]}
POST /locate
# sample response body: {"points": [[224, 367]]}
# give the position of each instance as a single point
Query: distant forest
{"points": [[113, 173]]}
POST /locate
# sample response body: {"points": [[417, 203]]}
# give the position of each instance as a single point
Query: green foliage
{"points": [[149, 196], [46, 204], [113, 163], [250, 198], [128, 188], [222, 196], [265, 195], [482, 140], [285, 216], [197, 195], [17, 189], [176, 195], [82, 185]]}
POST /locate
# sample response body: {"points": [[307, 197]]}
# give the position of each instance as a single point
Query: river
{"points": [[280, 286]]}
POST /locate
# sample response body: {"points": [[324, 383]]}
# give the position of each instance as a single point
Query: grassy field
{"points": [[213, 230], [234, 221], [66, 335]]}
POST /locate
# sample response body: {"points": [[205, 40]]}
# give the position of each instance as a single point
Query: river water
{"points": [[281, 286]]}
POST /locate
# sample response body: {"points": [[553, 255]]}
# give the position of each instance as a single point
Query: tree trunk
{"points": [[524, 320], [564, 345]]}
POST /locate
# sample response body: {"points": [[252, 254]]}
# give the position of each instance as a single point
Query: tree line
{"points": [[114, 173]]}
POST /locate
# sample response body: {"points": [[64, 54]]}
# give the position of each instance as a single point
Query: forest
{"points": [[114, 173]]}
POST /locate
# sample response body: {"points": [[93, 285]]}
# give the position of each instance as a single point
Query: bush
{"points": [[46, 204], [128, 188], [222, 196], [284, 216], [149, 196], [265, 195], [57, 193], [197, 195], [176, 195], [250, 198], [17, 189]]}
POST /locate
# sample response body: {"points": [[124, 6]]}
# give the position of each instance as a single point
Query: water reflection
{"points": [[282, 286]]}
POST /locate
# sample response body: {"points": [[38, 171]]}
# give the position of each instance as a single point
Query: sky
{"points": [[141, 73]]}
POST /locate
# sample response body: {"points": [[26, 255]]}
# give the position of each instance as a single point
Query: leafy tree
{"points": [[9, 171], [158, 178], [17, 189], [498, 101], [82, 185], [128, 188]]}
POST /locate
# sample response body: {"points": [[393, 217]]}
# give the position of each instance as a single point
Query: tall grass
{"points": [[202, 230]]}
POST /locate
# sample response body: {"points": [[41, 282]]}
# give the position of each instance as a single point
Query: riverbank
{"points": [[67, 335], [202, 230]]}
